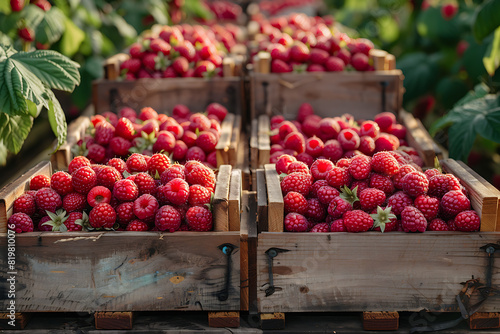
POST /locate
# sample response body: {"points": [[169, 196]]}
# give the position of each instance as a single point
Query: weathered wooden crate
{"points": [[372, 271], [130, 271], [417, 136]]}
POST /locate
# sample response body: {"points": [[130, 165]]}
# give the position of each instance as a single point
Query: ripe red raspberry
{"points": [[333, 150], [438, 225], [167, 219], [165, 142], [43, 4], [315, 187], [326, 194], [173, 172], [338, 177], [321, 228], [298, 182], [320, 168], [382, 182], [398, 202], [357, 221], [402, 157], [314, 146], [199, 122], [467, 221], [96, 153], [206, 141], [119, 146], [145, 207], [385, 163], [78, 162], [384, 220], [41, 224], [295, 141], [125, 129], [283, 162], [75, 221], [415, 184], [125, 213], [145, 183], [17, 5], [125, 190], [370, 198], [104, 131], [97, 195], [195, 153], [366, 145], [344, 163], [295, 222], [338, 207], [297, 167], [360, 167], [20, 222], [218, 110], [39, 182], [295, 202], [360, 186], [148, 113], [26, 204], [338, 226], [454, 202], [83, 179], [441, 184], [199, 218], [137, 226], [26, 34], [432, 172], [315, 210], [74, 202], [198, 195], [429, 206], [385, 120], [102, 216], [177, 191], [448, 11], [158, 164], [403, 170], [108, 176], [202, 175], [412, 220], [137, 163], [47, 199], [61, 182]]}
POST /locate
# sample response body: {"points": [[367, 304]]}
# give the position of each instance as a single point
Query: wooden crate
{"points": [[128, 271], [372, 271], [417, 137]]}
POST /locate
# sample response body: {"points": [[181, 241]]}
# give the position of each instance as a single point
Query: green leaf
{"points": [[461, 138], [492, 59], [487, 19], [3, 153], [57, 120], [450, 90], [14, 130], [33, 16], [51, 27], [421, 73], [431, 24], [33, 109], [124, 28], [72, 38]]}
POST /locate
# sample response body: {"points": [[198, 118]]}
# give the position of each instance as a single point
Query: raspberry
{"points": [[305, 158], [344, 163], [326, 194], [97, 195], [158, 164], [348, 139], [167, 218], [385, 120], [295, 222], [283, 162], [199, 219], [338, 206], [218, 110], [432, 172], [41, 224], [61, 182], [145, 207], [452, 203], [104, 131], [370, 198], [173, 172], [382, 182], [401, 157], [298, 182], [119, 146], [198, 195], [165, 142], [314, 146], [25, 204], [338, 226], [441, 184], [338, 177], [199, 122], [47, 199], [125, 129], [78, 162], [75, 221], [315, 210], [96, 153], [384, 220], [102, 216], [201, 175], [297, 167], [137, 226], [361, 185], [74, 202], [20, 222], [429, 206], [357, 221], [145, 183], [366, 145], [403, 170], [39, 182], [108, 176], [360, 167], [195, 153], [295, 141], [321, 228], [385, 163], [137, 163], [438, 225], [320, 168], [315, 187], [83, 179], [125, 190], [398, 202], [370, 129], [413, 220], [177, 191], [333, 150], [467, 221], [415, 184], [329, 129], [206, 141]]}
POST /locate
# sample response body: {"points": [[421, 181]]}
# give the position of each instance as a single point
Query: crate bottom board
{"points": [[188, 322]]}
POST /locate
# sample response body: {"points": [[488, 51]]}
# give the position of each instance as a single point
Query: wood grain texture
{"points": [[234, 205], [262, 203], [484, 320], [235, 141], [264, 140], [20, 322], [249, 241], [221, 199], [112, 66], [124, 271], [244, 281], [330, 94], [418, 137], [114, 320], [482, 199], [275, 214], [243, 162], [13, 190], [380, 321], [162, 95], [331, 272], [272, 320], [224, 319], [222, 147], [254, 144]]}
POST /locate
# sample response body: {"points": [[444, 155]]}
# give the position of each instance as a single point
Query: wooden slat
{"points": [[378, 59], [271, 321], [224, 319], [390, 62], [234, 205], [228, 67], [244, 283], [254, 144], [124, 271], [16, 188], [275, 199], [264, 140], [112, 65], [380, 321], [243, 161], [222, 147], [357, 93], [114, 320], [235, 140], [248, 249], [262, 203], [221, 199], [372, 271], [484, 320], [489, 186], [418, 137], [483, 200], [20, 321]]}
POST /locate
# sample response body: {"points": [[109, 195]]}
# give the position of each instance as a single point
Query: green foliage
{"points": [[487, 19]]}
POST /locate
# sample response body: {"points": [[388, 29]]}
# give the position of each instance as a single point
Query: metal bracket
{"points": [[227, 249], [271, 254]]}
